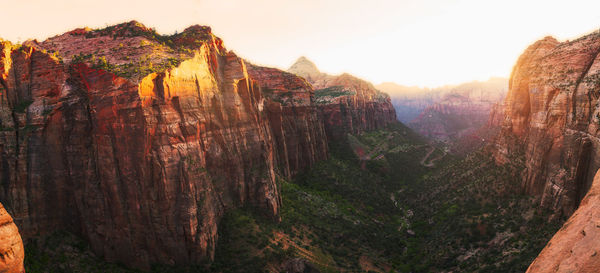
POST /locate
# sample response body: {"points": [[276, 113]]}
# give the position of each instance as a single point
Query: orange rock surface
{"points": [[140, 142], [11, 245], [551, 118], [574, 248]]}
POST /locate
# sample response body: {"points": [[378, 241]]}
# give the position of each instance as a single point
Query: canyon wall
{"points": [[347, 104], [300, 137], [574, 248], [452, 113], [461, 111], [551, 119], [140, 142], [12, 252]]}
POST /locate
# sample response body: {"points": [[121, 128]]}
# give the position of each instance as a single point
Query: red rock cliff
{"points": [[139, 142], [551, 118], [574, 248], [298, 131], [347, 104], [11, 245]]}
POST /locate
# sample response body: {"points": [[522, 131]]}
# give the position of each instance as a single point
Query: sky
{"points": [[426, 43]]}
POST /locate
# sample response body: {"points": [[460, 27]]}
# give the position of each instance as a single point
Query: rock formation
{"points": [[140, 142], [461, 111], [551, 118], [346, 103], [11, 245], [299, 133], [447, 113], [574, 248]]}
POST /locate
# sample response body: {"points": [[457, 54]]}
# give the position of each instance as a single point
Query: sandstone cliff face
{"points": [[574, 248], [551, 118], [347, 104], [11, 245], [299, 134], [139, 142]]}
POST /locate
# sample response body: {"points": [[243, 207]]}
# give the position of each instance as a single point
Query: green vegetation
{"points": [[382, 212], [333, 92], [143, 66], [65, 252]]}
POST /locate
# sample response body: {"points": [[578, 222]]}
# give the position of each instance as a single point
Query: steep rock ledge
{"points": [[551, 117], [347, 104], [298, 131], [140, 142], [142, 166]]}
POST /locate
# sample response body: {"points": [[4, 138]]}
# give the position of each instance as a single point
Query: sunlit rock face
{"points": [[551, 118], [140, 142], [143, 165], [12, 252], [574, 248], [347, 104]]}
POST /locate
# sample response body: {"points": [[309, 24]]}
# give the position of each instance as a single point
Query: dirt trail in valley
{"points": [[432, 161]]}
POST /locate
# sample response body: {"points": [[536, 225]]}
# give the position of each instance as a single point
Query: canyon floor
{"points": [[377, 213]]}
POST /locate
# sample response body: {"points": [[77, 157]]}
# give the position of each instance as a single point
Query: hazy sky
{"points": [[416, 42]]}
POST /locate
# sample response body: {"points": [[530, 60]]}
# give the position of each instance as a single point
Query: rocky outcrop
{"points": [[574, 248], [12, 252], [137, 142], [298, 131], [551, 118], [143, 164], [347, 104], [140, 142]]}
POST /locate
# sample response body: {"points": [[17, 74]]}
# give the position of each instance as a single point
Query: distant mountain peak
{"points": [[305, 68]]}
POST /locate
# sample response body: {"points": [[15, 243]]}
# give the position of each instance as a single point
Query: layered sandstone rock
{"points": [[551, 117], [142, 164], [574, 248], [298, 131], [347, 104], [140, 142], [11, 245]]}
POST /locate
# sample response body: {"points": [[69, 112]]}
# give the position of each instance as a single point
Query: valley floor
{"points": [[385, 201]]}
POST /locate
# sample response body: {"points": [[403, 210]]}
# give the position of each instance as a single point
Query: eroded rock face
{"points": [[143, 167], [12, 252], [551, 117], [299, 134], [347, 104], [574, 248], [140, 142]]}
